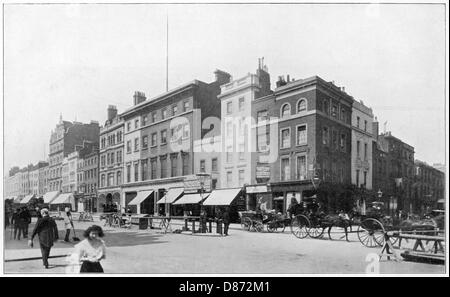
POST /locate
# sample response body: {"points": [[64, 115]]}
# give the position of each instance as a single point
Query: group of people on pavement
{"points": [[89, 252], [20, 221]]}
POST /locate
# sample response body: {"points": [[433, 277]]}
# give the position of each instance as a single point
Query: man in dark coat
{"points": [[16, 221], [226, 220], [47, 231], [26, 220]]}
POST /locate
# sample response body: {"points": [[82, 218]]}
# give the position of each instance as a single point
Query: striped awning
{"points": [[222, 197], [64, 198], [171, 196], [26, 199], [191, 199], [140, 197], [50, 196]]}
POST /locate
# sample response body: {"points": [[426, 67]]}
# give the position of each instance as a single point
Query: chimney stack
{"points": [[222, 77], [281, 82], [139, 97], [112, 112]]}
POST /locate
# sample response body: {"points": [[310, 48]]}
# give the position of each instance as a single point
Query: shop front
{"points": [[107, 201], [277, 196], [220, 199], [143, 203], [165, 203]]}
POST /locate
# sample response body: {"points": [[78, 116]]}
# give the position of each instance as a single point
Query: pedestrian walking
{"points": [[91, 250], [68, 223], [47, 232], [226, 220], [7, 214], [38, 213], [26, 221], [16, 221]]}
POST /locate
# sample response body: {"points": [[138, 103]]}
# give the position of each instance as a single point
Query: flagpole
{"points": [[167, 52]]}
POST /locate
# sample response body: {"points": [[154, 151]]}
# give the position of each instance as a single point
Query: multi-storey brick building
{"points": [[87, 178], [296, 134], [362, 139], [110, 160], [393, 174], [62, 142], [38, 179], [160, 135], [313, 138], [237, 98], [428, 188]]}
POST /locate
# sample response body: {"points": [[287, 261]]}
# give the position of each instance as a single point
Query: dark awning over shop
{"points": [[140, 197], [191, 199]]}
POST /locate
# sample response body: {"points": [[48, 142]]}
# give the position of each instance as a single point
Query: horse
{"points": [[331, 221]]}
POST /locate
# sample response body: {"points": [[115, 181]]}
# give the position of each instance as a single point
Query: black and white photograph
{"points": [[225, 139]]}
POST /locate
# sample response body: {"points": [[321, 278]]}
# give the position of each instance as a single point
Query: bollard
{"points": [[186, 225], [219, 227]]}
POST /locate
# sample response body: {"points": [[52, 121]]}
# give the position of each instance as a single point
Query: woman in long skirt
{"points": [[91, 250]]}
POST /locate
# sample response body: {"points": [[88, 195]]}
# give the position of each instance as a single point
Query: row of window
{"points": [[111, 158], [300, 168], [88, 189], [358, 173], [358, 154], [301, 106], [358, 120], [88, 174], [241, 178], [213, 165], [111, 179], [153, 170], [241, 105], [181, 132], [301, 136], [153, 116], [111, 139], [87, 162], [334, 110], [56, 147]]}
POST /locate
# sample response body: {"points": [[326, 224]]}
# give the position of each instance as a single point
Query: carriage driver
{"points": [[295, 208], [314, 207]]}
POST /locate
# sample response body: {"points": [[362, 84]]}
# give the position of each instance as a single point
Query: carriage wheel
{"points": [[371, 233], [259, 226], [315, 231], [271, 228], [246, 223], [299, 226]]}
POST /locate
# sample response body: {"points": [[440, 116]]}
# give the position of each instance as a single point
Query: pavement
{"points": [[133, 251]]}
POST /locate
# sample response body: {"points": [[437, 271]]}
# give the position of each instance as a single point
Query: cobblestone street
{"points": [[150, 251]]}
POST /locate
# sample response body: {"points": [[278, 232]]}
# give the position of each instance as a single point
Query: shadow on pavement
{"points": [[130, 238]]}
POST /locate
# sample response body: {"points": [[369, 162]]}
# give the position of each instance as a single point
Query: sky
{"points": [[75, 60]]}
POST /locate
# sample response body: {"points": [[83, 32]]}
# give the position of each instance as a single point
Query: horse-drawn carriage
{"points": [[373, 226], [255, 221]]}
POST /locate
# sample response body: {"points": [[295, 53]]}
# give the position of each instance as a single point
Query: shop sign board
{"points": [[192, 183], [263, 171], [256, 189]]}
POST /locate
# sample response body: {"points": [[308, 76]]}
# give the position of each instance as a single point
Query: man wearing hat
{"points": [[68, 223], [47, 231]]}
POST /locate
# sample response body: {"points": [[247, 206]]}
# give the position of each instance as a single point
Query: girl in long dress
{"points": [[91, 250]]}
